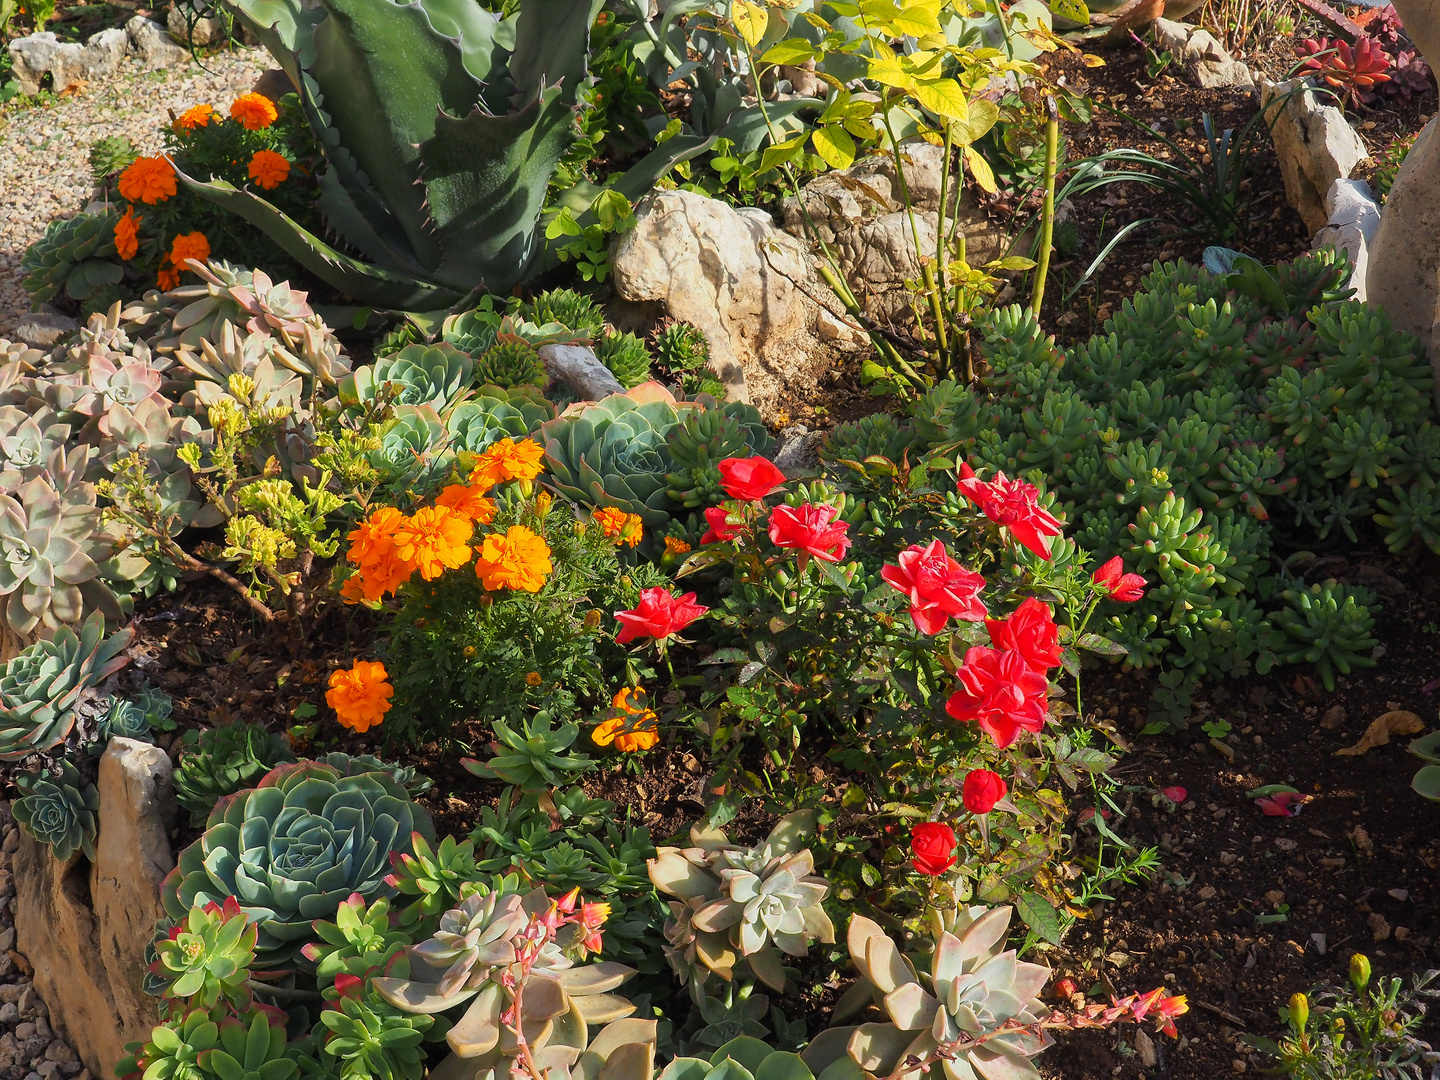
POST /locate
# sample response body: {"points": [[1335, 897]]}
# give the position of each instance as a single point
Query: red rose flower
{"points": [[1121, 586], [720, 530], [1015, 505], [810, 529], [982, 790], [932, 844], [659, 615], [1030, 631], [939, 588], [1001, 693], [750, 478]]}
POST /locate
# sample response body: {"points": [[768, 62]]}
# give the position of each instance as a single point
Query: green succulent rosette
{"points": [[292, 849]]}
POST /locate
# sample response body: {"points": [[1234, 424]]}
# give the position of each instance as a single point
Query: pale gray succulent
{"points": [[118, 379], [462, 964], [964, 996], [51, 546], [41, 688], [735, 903], [185, 316], [271, 307], [28, 437], [241, 366]]}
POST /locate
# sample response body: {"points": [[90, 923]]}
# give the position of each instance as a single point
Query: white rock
{"points": [[153, 45], [1404, 275], [44, 330], [67, 67], [745, 283], [1353, 219], [30, 59], [577, 368], [200, 31], [1204, 59], [1315, 145], [104, 52]]}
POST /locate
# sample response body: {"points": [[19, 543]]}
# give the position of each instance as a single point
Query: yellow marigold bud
{"points": [[1299, 1011], [1360, 970]]}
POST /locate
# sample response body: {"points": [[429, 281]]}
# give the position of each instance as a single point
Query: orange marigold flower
{"points": [[470, 500], [636, 729], [360, 696], [353, 590], [148, 180], [675, 546], [611, 519], [127, 232], [167, 278], [532, 678], [372, 550], [519, 559], [197, 116], [253, 111], [269, 169], [433, 540], [191, 245], [509, 460]]}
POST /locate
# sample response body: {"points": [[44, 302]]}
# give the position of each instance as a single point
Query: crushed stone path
{"points": [[44, 149]]}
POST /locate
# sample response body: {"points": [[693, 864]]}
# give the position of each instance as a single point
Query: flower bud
{"points": [[1360, 970], [1299, 1011]]}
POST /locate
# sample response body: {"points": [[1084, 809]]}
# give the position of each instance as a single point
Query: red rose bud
{"points": [[982, 790], [932, 845], [720, 530], [750, 479], [1123, 587]]}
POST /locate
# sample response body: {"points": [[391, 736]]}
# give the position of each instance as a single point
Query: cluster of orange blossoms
{"points": [[621, 527], [152, 180], [388, 547], [360, 696]]}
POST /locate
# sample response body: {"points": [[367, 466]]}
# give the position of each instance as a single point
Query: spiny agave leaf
{"points": [[361, 281]]}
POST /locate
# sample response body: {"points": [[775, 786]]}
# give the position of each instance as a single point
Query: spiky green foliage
{"points": [[533, 758], [626, 356], [59, 810], [511, 363], [877, 435], [683, 349], [220, 761], [359, 942], [75, 256], [431, 876], [702, 440], [1328, 626], [42, 686], [293, 848], [109, 156], [576, 312]]}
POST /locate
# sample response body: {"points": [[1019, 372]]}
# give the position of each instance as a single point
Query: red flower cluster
{"points": [[720, 530], [1004, 689], [1015, 505], [938, 587], [749, 479], [1030, 631]]}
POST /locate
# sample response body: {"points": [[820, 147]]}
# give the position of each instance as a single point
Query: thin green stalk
{"points": [[1047, 221]]}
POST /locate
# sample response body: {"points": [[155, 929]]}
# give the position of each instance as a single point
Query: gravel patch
{"points": [[44, 150], [29, 1050]]}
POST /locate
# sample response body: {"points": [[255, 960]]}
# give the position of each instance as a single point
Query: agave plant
{"points": [[434, 376], [59, 811], [963, 998], [51, 545], [292, 848], [511, 363], [463, 964], [495, 413], [742, 1058], [735, 904], [220, 761]]}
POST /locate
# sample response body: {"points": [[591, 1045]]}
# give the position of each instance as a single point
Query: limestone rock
{"points": [[85, 928], [198, 30], [104, 52], [1404, 275], [152, 43], [859, 214], [67, 67], [579, 370], [30, 60], [44, 329], [1204, 59], [746, 284], [1353, 219], [1315, 145], [799, 452]]}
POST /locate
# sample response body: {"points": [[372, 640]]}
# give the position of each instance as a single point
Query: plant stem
{"points": [[1047, 221]]}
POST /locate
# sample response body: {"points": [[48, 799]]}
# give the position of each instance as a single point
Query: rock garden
{"points": [[734, 539]]}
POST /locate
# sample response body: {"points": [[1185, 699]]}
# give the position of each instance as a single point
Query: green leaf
{"points": [[1070, 10], [1039, 915], [791, 51], [1427, 782], [944, 97], [1097, 643], [835, 146]]}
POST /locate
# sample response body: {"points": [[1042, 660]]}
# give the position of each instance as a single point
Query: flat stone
{"points": [[44, 330], [152, 43], [1205, 61], [87, 944], [1314, 144], [577, 368]]}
